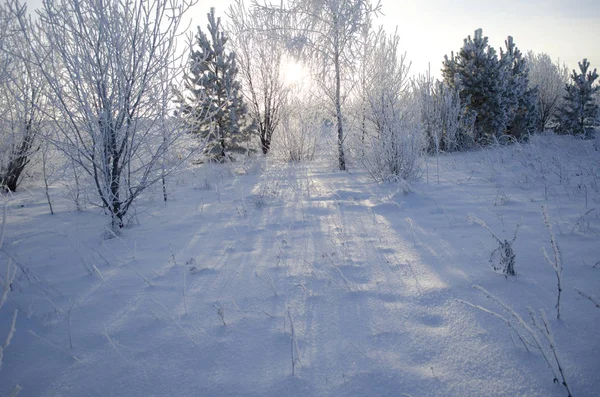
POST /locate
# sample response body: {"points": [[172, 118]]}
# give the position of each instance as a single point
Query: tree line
{"points": [[102, 86]]}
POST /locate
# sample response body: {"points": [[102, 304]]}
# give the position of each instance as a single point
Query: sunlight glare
{"points": [[294, 72]]}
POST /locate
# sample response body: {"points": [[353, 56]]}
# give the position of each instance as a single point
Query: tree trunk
{"points": [[117, 215], [266, 133], [338, 111], [10, 179]]}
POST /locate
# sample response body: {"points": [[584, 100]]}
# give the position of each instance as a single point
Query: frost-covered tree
{"points": [[363, 75], [300, 127], [110, 66], [477, 74], [446, 122], [22, 98], [394, 136], [260, 63], [495, 89], [213, 89], [326, 34], [550, 79], [579, 112], [519, 100]]}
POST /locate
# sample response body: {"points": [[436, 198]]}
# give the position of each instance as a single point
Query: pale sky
{"points": [[429, 29]]}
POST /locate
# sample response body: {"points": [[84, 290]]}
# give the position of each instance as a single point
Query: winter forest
{"points": [[270, 201]]}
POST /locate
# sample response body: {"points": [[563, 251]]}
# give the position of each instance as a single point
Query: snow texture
{"points": [[274, 279]]}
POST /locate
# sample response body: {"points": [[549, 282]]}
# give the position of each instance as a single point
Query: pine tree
{"points": [[478, 76], [216, 93], [494, 89], [580, 110], [519, 100]]}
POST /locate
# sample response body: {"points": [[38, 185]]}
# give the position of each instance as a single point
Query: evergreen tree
{"points": [[216, 93], [494, 89], [580, 110], [480, 80], [519, 100]]}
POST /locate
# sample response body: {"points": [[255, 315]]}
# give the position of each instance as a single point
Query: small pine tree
{"points": [[477, 74], [519, 100], [580, 110], [216, 93], [493, 89]]}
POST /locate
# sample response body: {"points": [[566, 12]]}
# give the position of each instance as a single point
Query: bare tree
{"points": [[110, 66], [21, 99], [260, 64], [387, 84], [446, 123], [396, 138], [550, 77], [301, 125], [326, 34]]}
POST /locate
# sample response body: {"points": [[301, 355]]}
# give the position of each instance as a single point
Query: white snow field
{"points": [[273, 279]]}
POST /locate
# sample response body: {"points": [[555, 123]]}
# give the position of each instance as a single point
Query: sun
{"points": [[294, 73]]}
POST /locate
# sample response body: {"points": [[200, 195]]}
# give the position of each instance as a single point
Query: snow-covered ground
{"points": [[270, 279]]}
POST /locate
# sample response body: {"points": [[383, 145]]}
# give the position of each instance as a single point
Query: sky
{"points": [[429, 29]]}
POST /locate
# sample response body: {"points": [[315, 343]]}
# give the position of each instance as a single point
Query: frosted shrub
{"points": [[393, 137], [502, 258], [300, 139], [446, 123], [296, 137], [267, 191], [537, 334], [395, 155], [121, 131]]}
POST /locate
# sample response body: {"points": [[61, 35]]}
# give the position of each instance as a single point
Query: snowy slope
{"points": [[270, 279]]}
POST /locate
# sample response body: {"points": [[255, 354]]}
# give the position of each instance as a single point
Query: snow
{"points": [[199, 296]]}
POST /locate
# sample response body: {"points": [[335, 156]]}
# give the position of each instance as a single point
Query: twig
{"points": [[175, 322], [11, 333], [184, 293], [268, 281], [589, 297], [557, 262], [6, 284], [475, 219], [15, 392], [69, 324], [505, 320], [580, 219], [294, 344], [306, 290], [412, 229], [55, 346], [114, 346], [3, 225], [547, 332], [548, 350]]}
